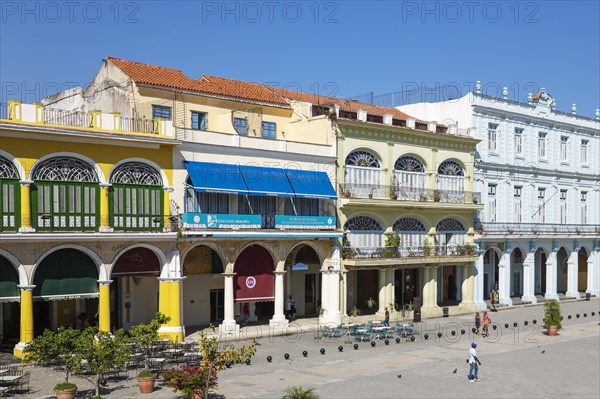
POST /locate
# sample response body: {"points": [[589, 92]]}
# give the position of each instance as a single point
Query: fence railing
{"points": [[487, 228], [139, 125], [68, 118], [409, 193], [413, 251]]}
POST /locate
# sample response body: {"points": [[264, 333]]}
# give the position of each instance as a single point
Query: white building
{"points": [[538, 170]]}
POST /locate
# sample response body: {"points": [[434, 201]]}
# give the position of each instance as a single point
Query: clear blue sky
{"points": [[345, 48]]}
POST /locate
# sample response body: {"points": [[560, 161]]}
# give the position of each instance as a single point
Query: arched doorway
{"points": [[516, 273], [409, 173], [491, 260], [254, 281], [203, 295], [66, 284], [541, 259], [451, 182], [9, 300], [134, 290], [562, 270], [582, 273], [303, 279], [412, 234]]}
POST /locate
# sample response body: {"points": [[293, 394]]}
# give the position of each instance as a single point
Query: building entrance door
{"points": [[217, 305]]}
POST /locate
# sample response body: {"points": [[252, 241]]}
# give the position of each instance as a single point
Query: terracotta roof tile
{"points": [[161, 76]]}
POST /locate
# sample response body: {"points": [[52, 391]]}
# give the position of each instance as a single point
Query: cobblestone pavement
{"points": [[513, 364]]}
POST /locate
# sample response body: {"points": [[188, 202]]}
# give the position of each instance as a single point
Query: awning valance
{"points": [[218, 178], [266, 181], [137, 262], [311, 184], [65, 274]]}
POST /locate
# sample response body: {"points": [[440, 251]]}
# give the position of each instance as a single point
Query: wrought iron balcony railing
{"points": [[535, 229], [411, 251], [419, 194]]}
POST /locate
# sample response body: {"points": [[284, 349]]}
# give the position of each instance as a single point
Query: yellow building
{"points": [[85, 222]]}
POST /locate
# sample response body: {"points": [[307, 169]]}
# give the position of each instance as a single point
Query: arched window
{"points": [[409, 178], [65, 195], [451, 182], [451, 232], [363, 175], [412, 234], [450, 168], [364, 232], [136, 197], [10, 197]]}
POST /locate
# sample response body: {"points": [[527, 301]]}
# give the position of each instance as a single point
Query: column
{"points": [[478, 283], [551, 276], [104, 308], [573, 275], [593, 286], [390, 290], [465, 284], [333, 314], [229, 324], [26, 330], [459, 280], [470, 285], [169, 304], [344, 293], [433, 286], [529, 278], [279, 317], [167, 206], [382, 297], [504, 279], [26, 226], [104, 208], [426, 292]]}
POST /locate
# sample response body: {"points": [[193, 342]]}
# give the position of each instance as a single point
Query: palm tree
{"points": [[297, 392]]}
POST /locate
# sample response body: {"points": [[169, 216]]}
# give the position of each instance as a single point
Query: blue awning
{"points": [[311, 184], [266, 181], [217, 178]]}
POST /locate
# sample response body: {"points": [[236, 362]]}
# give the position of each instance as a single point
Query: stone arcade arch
{"points": [[254, 280], [303, 279], [203, 287]]}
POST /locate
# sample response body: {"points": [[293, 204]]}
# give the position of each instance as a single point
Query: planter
{"points": [[394, 196], [347, 194], [146, 384], [66, 394], [197, 395], [552, 330], [370, 196]]}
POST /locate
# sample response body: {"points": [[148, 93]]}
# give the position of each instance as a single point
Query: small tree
{"points": [[58, 347], [103, 352], [552, 314], [146, 335]]}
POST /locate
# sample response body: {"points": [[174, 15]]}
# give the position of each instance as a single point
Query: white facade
{"points": [[538, 171]]}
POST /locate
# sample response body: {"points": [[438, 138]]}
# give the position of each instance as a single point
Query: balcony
{"points": [[365, 256], [16, 111], [415, 194], [206, 221], [536, 229]]}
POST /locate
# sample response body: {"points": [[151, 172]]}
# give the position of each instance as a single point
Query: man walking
{"points": [[474, 363]]}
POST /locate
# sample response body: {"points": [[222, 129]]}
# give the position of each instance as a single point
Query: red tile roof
{"points": [[167, 77]]}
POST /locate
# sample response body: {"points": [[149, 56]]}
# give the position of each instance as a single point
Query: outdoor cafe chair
{"points": [[24, 382]]}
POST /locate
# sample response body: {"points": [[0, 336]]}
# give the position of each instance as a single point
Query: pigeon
{"points": [[455, 370], [399, 375], [543, 352]]}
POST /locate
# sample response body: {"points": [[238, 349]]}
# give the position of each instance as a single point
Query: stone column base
{"points": [[18, 349], [531, 299], [573, 294], [331, 318], [548, 296], [481, 305], [174, 333], [467, 307], [229, 327], [105, 229], [593, 292], [433, 311], [278, 324], [505, 301], [26, 229]]}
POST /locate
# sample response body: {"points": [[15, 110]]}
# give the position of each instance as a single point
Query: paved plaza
{"points": [[516, 362]]}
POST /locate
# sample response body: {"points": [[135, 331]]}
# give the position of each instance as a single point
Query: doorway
{"points": [[310, 293], [217, 308]]}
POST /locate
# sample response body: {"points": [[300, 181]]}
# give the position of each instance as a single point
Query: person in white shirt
{"points": [[290, 308], [474, 363]]}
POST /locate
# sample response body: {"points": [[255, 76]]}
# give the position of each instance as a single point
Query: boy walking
{"points": [[474, 363]]}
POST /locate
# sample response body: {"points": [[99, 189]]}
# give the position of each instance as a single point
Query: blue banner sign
{"points": [[305, 222], [221, 221], [300, 266]]}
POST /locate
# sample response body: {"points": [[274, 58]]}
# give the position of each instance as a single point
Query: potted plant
{"points": [[552, 317], [392, 242], [102, 352], [348, 251], [371, 303], [347, 193], [428, 249], [145, 336], [57, 347], [437, 195], [423, 197], [354, 312], [65, 390]]}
